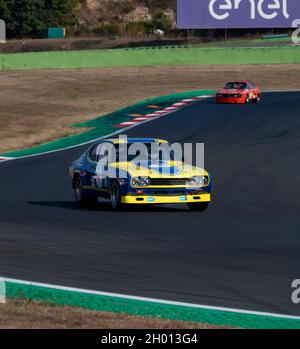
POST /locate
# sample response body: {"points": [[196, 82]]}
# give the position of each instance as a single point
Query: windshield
{"points": [[236, 86], [153, 152], [137, 152]]}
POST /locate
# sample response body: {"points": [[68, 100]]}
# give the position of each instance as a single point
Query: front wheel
{"points": [[115, 196], [198, 206], [257, 99]]}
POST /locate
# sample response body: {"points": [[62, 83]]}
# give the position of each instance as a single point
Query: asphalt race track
{"points": [[243, 252]]}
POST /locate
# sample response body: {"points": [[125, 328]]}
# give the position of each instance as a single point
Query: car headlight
{"points": [[135, 182], [141, 181], [199, 181]]}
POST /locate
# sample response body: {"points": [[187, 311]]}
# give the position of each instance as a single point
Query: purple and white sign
{"points": [[197, 14]]}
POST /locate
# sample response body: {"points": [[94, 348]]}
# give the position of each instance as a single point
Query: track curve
{"points": [[242, 253]]}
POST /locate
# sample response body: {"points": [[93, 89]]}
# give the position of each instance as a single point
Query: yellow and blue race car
{"points": [[142, 181]]}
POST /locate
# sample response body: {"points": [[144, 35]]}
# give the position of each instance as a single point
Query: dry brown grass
{"points": [[33, 315], [38, 106]]}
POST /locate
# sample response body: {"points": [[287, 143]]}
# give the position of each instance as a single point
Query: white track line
{"points": [[152, 300], [3, 158]]}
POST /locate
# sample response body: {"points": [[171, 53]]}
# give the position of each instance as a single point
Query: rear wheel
{"points": [[115, 196], [198, 206], [80, 195]]}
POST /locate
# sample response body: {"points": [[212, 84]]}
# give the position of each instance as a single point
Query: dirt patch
{"points": [[39, 106], [32, 315]]}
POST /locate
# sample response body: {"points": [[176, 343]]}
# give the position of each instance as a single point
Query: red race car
{"points": [[239, 92]]}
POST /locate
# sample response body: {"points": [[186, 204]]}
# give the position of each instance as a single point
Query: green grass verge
{"points": [[272, 41], [150, 57], [143, 307], [105, 125]]}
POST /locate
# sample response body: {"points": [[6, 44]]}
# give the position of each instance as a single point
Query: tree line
{"points": [[26, 18]]}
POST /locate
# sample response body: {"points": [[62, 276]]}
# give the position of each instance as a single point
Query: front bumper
{"points": [[158, 199], [230, 100]]}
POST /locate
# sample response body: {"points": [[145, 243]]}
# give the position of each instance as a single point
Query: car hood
{"points": [[166, 169]]}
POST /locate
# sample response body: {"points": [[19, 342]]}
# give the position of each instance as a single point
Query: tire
{"points": [[198, 206], [115, 196], [247, 99], [80, 196], [257, 100]]}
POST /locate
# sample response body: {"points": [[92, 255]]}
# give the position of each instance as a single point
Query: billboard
{"points": [[197, 14]]}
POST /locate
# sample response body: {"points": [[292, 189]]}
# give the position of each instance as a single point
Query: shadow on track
{"points": [[105, 207]]}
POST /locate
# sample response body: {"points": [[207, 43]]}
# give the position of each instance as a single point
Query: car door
{"points": [[91, 166], [96, 169]]}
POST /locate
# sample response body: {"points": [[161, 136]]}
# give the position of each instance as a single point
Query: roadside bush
{"points": [[137, 29], [161, 21], [109, 29], [155, 5]]}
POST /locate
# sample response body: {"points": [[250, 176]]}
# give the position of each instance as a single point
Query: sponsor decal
{"points": [[296, 33], [237, 13], [164, 168]]}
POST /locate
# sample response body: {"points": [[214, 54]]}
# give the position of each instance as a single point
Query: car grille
{"points": [[169, 181], [168, 193], [229, 95]]}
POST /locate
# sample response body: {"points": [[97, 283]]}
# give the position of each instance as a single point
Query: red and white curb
{"points": [[2, 159], [162, 112], [138, 118]]}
